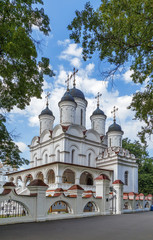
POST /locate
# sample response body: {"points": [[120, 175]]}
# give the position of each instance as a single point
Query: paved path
{"points": [[121, 227]]}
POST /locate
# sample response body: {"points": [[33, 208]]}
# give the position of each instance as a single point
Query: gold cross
{"points": [[114, 113], [73, 74], [98, 96], [47, 96]]}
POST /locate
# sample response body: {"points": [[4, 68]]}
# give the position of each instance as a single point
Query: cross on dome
{"points": [[73, 75], [68, 81], [114, 113], [98, 96], [47, 97]]}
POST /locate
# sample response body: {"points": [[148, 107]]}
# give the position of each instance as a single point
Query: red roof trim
{"points": [[102, 177], [72, 196], [5, 192], [88, 196], [64, 128], [75, 187], [37, 182], [118, 182], [9, 184]]}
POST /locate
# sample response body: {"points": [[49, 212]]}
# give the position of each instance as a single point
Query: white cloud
{"points": [[63, 43], [127, 76], [22, 146], [72, 53], [75, 62], [72, 50]]}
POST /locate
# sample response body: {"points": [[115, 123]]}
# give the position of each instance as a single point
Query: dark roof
{"points": [[46, 111], [9, 184], [37, 182], [77, 93], [67, 97], [98, 111], [114, 127]]}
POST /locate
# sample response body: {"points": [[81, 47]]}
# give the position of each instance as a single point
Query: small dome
{"points": [[77, 93], [46, 111], [114, 127], [98, 111], [67, 97]]}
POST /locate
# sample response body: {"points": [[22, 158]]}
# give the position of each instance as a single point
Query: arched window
{"points": [[72, 157], [51, 177], [28, 179], [81, 118], [61, 116], [11, 208], [120, 142], [68, 176], [110, 142], [40, 176], [126, 178], [59, 207], [58, 155], [46, 158], [86, 179], [89, 159], [90, 207]]}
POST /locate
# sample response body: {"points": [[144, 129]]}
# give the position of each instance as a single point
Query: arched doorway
{"points": [[86, 178], [68, 176]]}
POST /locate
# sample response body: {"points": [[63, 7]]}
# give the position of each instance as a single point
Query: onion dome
{"points": [[98, 111], [76, 93], [67, 97], [46, 111], [114, 127]]}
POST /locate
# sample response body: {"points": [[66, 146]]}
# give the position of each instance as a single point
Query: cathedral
{"points": [[69, 154]]}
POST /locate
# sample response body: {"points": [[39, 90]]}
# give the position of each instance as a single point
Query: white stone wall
{"points": [[115, 139], [81, 105], [67, 112], [46, 123], [98, 123]]}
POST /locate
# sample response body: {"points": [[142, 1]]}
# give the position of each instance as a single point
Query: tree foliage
{"points": [[9, 151], [121, 32], [145, 165], [21, 74]]}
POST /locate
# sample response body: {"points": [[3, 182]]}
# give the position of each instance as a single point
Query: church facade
{"points": [[69, 154]]}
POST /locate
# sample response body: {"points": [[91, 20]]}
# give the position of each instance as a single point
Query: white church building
{"points": [[68, 153], [74, 170]]}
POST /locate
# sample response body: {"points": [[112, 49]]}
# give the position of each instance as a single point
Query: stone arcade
{"points": [[68, 157]]}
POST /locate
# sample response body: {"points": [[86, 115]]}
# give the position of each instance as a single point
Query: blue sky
{"points": [[64, 55]]}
